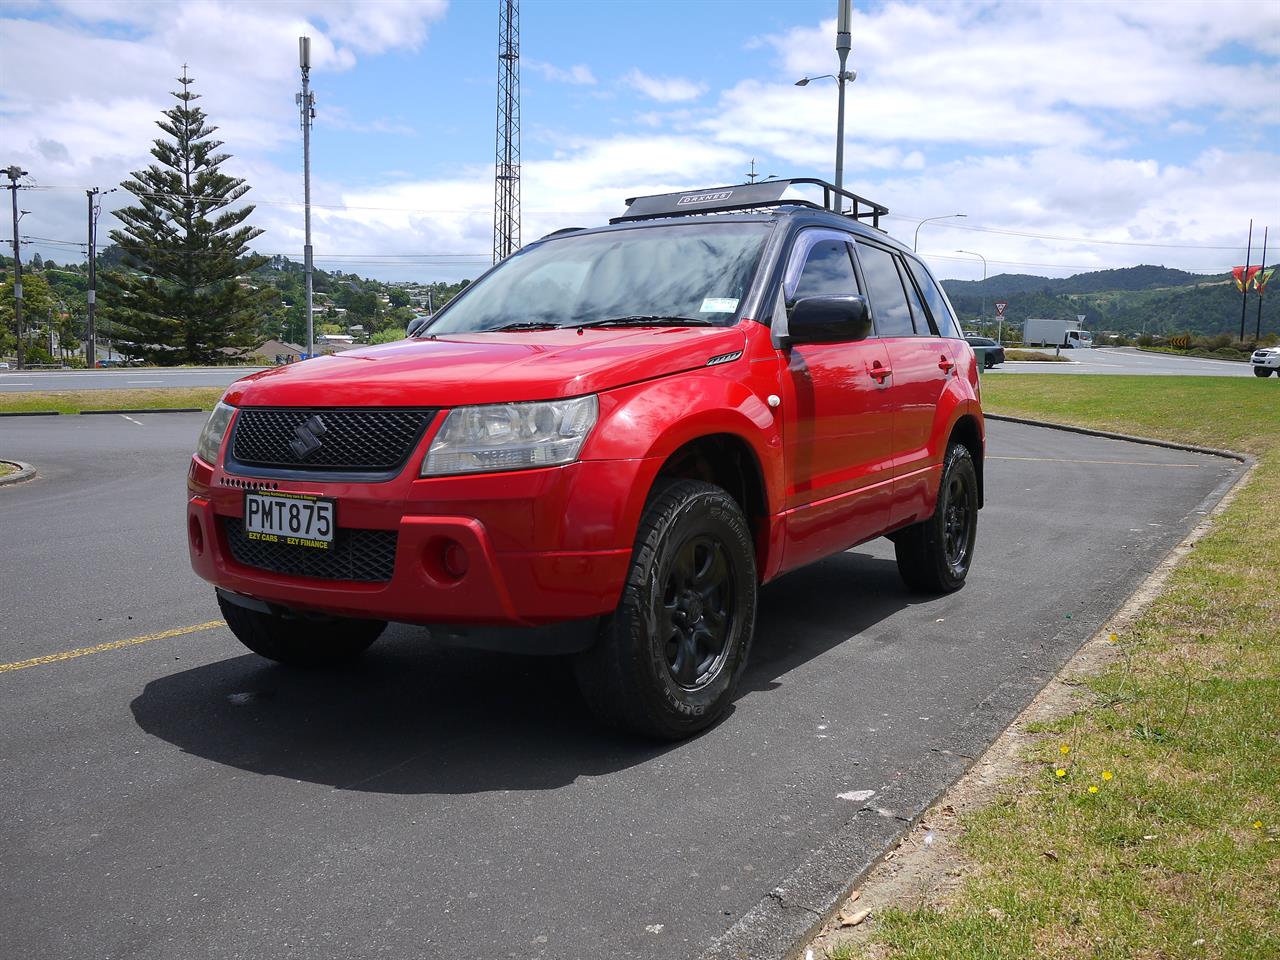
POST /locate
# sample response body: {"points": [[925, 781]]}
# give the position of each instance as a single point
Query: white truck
{"points": [[1055, 333]]}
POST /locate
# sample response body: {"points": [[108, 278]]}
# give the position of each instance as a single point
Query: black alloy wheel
{"points": [[696, 612], [935, 555]]}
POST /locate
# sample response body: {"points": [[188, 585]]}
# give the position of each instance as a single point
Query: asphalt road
{"points": [[126, 378], [181, 798], [1128, 360]]}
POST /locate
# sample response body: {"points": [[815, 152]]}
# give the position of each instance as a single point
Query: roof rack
{"points": [[747, 196]]}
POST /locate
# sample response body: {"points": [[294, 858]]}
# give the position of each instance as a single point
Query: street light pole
{"points": [[915, 244], [984, 282], [843, 45], [307, 109]]}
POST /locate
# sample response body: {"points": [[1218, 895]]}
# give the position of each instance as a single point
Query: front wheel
{"points": [[299, 642], [1261, 372], [934, 555], [669, 658]]}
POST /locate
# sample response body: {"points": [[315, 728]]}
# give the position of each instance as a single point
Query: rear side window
{"points": [[889, 306], [943, 318], [828, 272]]}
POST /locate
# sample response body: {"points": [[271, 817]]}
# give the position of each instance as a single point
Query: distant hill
{"points": [[1158, 300]]}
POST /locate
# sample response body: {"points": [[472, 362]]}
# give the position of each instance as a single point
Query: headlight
{"points": [[511, 436], [215, 429]]}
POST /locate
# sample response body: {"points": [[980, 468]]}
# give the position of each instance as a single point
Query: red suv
{"points": [[603, 447]]}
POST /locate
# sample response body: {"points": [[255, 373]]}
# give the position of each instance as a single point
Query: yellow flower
{"points": [[1064, 749], [1257, 824], [1113, 638], [1093, 788], [1107, 774], [1060, 772]]}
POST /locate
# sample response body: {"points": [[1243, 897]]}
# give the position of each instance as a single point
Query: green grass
{"points": [[1178, 853], [73, 401], [7, 468], [1035, 355]]}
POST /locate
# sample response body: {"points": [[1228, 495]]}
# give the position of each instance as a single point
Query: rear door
{"points": [[922, 365], [838, 418]]}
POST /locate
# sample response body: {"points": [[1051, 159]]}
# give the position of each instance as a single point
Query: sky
{"points": [[1073, 135]]}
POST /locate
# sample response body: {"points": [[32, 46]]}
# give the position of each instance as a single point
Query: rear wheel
{"points": [[300, 642], [669, 658], [1261, 372], [934, 555]]}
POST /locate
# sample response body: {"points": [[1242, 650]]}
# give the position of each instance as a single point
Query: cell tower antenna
{"points": [[506, 168]]}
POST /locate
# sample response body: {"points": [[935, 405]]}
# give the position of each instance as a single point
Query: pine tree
{"points": [[178, 298]]}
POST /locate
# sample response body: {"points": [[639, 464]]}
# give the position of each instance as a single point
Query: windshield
{"points": [[698, 271]]}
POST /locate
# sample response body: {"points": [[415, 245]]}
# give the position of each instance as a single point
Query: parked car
{"points": [[1266, 360], [989, 352], [603, 447]]}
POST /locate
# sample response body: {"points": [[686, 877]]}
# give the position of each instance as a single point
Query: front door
{"points": [[838, 424]]}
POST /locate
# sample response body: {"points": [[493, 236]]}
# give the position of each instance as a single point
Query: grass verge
{"points": [[7, 468], [73, 401], [1147, 824], [1036, 355]]}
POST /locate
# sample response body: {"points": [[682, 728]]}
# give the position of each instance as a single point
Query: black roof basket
{"points": [[747, 196]]}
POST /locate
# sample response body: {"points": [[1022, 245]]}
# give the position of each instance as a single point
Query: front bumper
{"points": [[540, 546], [1269, 361]]}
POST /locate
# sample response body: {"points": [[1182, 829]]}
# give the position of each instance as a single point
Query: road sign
{"points": [[1000, 305]]}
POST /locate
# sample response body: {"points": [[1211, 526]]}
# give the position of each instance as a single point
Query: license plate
{"points": [[290, 518]]}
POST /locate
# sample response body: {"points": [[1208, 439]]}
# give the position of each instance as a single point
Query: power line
{"points": [[1049, 236]]}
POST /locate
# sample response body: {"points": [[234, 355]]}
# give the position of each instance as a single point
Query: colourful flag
{"points": [[1262, 278], [1244, 276]]}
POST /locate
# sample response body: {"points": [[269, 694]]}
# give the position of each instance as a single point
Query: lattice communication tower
{"points": [[506, 170]]}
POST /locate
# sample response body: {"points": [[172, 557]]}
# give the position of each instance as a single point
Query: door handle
{"points": [[945, 365], [879, 372]]}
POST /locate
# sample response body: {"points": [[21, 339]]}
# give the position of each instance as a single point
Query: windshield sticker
{"points": [[719, 305]]}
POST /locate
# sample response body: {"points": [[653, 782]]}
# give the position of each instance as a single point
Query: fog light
{"points": [[454, 560], [196, 534]]}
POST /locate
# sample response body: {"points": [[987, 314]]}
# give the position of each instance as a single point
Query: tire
{"points": [[669, 658], [1261, 372], [987, 362], [298, 642], [934, 556]]}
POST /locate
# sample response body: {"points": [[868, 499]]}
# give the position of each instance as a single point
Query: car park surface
{"points": [[129, 378], [178, 797]]}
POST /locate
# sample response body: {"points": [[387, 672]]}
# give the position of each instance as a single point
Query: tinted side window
{"points": [[828, 272], [942, 316], [918, 313], [884, 287]]}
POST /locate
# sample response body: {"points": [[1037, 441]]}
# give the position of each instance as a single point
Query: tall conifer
{"points": [[179, 297]]}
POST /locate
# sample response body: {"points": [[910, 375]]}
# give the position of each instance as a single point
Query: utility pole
{"points": [[843, 45], [95, 208], [1244, 280], [13, 173], [1257, 330], [506, 167], [307, 110]]}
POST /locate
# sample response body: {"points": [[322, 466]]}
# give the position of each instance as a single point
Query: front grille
{"points": [[362, 440], [368, 556]]}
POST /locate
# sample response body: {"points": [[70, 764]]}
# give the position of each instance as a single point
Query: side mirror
{"points": [[415, 325], [829, 320]]}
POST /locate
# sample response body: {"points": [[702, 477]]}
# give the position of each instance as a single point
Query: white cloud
{"points": [[665, 89], [578, 75]]}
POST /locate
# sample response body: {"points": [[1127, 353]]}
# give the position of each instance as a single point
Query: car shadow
{"points": [[417, 716]]}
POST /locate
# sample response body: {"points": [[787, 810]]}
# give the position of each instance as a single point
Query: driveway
{"points": [[178, 797]]}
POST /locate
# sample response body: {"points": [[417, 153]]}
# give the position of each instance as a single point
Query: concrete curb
{"points": [[1164, 353], [1105, 434], [794, 912], [31, 413], [152, 410], [25, 472]]}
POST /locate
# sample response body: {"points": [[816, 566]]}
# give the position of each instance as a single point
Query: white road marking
{"points": [[144, 381], [130, 419]]}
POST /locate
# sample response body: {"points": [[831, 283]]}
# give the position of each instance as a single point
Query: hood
{"points": [[487, 368]]}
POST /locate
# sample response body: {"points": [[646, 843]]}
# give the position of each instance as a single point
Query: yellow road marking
{"points": [[1114, 463], [113, 645]]}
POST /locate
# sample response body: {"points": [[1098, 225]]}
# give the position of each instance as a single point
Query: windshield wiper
{"points": [[647, 321], [524, 325]]}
